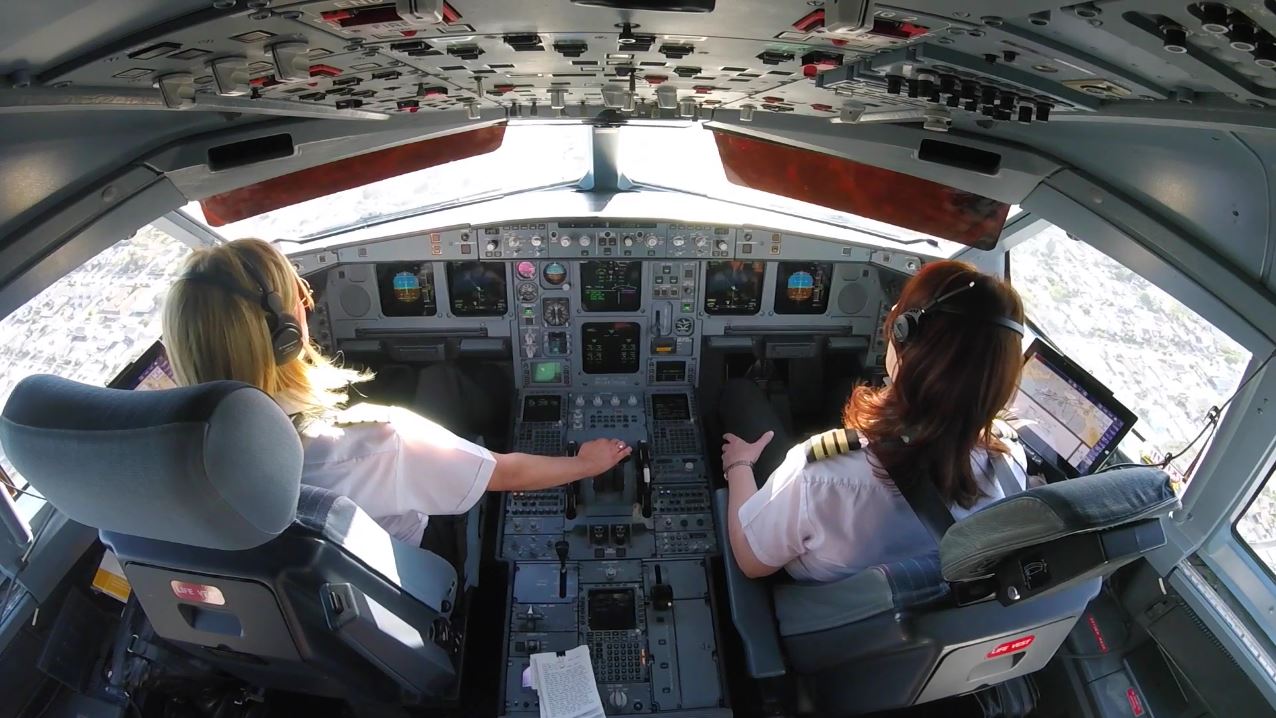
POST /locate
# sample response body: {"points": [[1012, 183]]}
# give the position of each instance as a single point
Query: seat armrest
{"points": [[750, 602]]}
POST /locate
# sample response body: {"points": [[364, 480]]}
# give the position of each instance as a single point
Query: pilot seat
{"points": [[197, 491], [994, 604]]}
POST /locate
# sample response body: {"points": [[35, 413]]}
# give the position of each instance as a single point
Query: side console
{"points": [[617, 561]]}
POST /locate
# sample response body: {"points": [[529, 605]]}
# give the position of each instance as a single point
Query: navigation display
{"points": [[477, 289], [610, 286], [733, 287], [610, 347], [151, 371], [407, 289], [1066, 412], [803, 287], [548, 407]]}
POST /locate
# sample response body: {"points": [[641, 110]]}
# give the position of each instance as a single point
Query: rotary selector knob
{"points": [[493, 245], [598, 401], [679, 241], [513, 242], [722, 245], [702, 241], [565, 241], [615, 401], [652, 241], [633, 400], [628, 241], [584, 240], [580, 401], [535, 240]]}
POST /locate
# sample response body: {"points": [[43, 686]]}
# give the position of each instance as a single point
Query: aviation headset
{"points": [[907, 324], [285, 332]]}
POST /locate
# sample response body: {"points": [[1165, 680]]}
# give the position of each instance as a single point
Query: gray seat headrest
{"points": [[973, 546], [216, 465]]}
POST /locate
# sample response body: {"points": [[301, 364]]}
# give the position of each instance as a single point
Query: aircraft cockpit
{"points": [[535, 230]]}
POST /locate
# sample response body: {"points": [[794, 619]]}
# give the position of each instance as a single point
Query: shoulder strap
{"points": [[924, 499], [1005, 474]]}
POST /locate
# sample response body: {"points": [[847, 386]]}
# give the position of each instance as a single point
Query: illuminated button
{"points": [[584, 240]]}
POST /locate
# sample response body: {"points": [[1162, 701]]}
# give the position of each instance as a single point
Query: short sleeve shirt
{"points": [[829, 519], [397, 466]]}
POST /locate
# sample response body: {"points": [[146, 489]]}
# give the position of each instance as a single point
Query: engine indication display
{"points": [[610, 286], [610, 347], [477, 289], [733, 287], [803, 287], [407, 289]]}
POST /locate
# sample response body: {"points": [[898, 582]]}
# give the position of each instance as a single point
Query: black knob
{"points": [[560, 549], [894, 84], [925, 85], [913, 88], [988, 95], [1008, 101], [948, 85], [971, 106], [1242, 34], [969, 90], [1213, 17], [990, 58], [953, 100], [1043, 111], [1174, 38], [1009, 55], [1265, 54], [1025, 114]]}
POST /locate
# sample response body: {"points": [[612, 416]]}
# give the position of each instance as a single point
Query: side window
{"points": [[89, 324], [1158, 357]]}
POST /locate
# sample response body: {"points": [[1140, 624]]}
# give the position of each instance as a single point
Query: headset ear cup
{"points": [[286, 339], [904, 327]]}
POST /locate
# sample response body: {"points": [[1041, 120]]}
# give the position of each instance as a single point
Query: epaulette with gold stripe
{"points": [[831, 443]]}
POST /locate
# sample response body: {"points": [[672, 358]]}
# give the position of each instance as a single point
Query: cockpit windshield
{"points": [[675, 157]]}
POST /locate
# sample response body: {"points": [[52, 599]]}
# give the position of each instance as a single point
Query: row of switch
{"points": [[615, 400], [603, 534]]}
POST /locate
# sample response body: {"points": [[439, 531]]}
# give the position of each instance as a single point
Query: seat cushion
{"points": [[423, 575], [216, 465], [810, 607], [973, 546]]}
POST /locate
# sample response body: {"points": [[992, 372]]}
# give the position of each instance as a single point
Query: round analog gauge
{"points": [[527, 292], [555, 311], [555, 273], [525, 270], [684, 326]]}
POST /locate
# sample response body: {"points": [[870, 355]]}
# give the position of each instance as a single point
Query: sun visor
{"points": [[847, 186], [326, 179]]}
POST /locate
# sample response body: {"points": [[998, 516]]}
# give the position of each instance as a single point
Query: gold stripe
{"points": [[810, 451], [839, 440], [824, 442]]}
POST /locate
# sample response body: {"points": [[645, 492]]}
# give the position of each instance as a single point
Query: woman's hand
{"points": [[735, 449], [599, 455]]}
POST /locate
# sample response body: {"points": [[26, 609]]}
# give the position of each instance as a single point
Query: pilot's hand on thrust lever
{"points": [[600, 455], [738, 452]]}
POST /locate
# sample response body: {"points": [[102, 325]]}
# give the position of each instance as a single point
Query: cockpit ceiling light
{"points": [[620, 56], [873, 192], [685, 38], [314, 182]]}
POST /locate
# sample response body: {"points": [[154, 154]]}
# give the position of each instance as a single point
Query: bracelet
{"points": [[738, 463]]}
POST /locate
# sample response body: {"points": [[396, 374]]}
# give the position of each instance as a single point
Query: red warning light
{"points": [[324, 71], [813, 20]]}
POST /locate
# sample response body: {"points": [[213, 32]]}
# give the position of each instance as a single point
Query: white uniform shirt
{"points": [[833, 518], [397, 466]]}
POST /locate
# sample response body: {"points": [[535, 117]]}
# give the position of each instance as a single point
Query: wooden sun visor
{"points": [[864, 190], [348, 173]]}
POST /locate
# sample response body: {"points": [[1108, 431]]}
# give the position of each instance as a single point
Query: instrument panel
{"points": [[598, 304]]}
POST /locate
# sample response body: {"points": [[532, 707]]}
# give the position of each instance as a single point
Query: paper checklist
{"points": [[565, 684]]}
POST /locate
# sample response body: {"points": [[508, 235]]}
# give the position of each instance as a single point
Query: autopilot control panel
{"points": [[607, 325]]}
